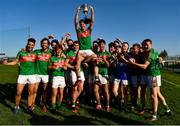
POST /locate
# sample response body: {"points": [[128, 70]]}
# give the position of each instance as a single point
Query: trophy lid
{"points": [[85, 8]]}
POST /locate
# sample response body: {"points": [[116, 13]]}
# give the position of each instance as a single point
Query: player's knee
{"points": [[30, 93], [18, 93], [115, 92]]}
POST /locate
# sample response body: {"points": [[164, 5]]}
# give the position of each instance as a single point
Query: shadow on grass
{"points": [[97, 117], [68, 120], [115, 118], [43, 120], [7, 93]]}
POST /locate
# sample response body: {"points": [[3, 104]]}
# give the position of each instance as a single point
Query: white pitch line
{"points": [[170, 83]]}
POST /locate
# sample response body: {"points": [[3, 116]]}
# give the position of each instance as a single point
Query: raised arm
{"points": [[92, 18], [62, 42], [76, 17], [142, 66]]}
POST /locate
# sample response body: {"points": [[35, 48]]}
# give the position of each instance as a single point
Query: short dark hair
{"points": [[136, 44], [102, 41], [31, 40], [125, 43], [147, 40], [70, 40], [58, 47], [82, 20], [76, 42], [117, 42], [112, 44], [45, 39], [55, 41]]}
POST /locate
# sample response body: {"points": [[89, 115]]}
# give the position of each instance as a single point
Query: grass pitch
{"points": [[86, 115]]}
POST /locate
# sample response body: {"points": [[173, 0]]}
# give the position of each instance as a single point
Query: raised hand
{"points": [[91, 7], [51, 36], [67, 35], [78, 9]]}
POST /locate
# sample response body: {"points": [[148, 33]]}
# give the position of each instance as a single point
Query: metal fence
{"points": [[173, 65]]}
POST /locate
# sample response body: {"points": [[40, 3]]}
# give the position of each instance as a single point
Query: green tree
{"points": [[163, 54]]}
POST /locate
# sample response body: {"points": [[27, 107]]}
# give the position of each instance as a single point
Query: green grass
{"points": [[86, 114]]}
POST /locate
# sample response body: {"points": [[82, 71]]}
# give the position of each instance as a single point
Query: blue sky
{"points": [[129, 20]]}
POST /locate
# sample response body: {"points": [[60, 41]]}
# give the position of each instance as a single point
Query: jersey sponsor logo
{"points": [[44, 57], [30, 57], [84, 34], [59, 64], [100, 59]]}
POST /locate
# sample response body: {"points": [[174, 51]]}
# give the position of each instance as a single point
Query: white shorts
{"points": [[103, 79], [58, 82], [43, 78], [86, 53], [23, 79], [74, 77], [118, 81], [156, 81]]}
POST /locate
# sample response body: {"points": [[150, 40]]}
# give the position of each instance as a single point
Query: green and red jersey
{"points": [[103, 69], [42, 61], [58, 63], [84, 38], [27, 62], [71, 55]]}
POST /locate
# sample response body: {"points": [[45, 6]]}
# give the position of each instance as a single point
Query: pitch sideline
{"points": [[170, 83]]}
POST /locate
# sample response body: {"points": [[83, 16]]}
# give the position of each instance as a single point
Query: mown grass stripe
{"points": [[170, 83]]}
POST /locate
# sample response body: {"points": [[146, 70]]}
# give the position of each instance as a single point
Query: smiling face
{"points": [[118, 49], [58, 51], [147, 46], [112, 49], [45, 44], [76, 46], [102, 46], [53, 45], [135, 49], [30, 46], [125, 47], [83, 25]]}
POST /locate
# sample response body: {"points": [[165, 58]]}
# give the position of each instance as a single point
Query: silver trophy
{"points": [[85, 8]]}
